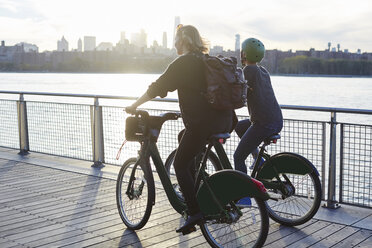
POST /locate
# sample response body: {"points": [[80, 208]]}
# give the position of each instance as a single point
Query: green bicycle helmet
{"points": [[254, 50]]}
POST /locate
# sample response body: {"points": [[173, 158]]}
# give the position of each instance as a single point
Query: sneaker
{"points": [[244, 202], [190, 223]]}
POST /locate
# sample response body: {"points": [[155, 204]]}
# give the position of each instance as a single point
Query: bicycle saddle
{"points": [[219, 137], [272, 139]]}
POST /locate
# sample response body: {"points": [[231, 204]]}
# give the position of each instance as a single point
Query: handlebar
{"points": [[144, 114]]}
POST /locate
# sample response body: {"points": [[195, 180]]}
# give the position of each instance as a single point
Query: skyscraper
{"points": [[62, 45], [177, 21], [165, 41], [89, 43], [237, 42], [80, 45], [139, 39], [122, 38]]}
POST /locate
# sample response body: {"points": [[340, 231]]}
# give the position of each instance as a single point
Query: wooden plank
{"points": [[43, 232], [367, 243], [75, 239], [317, 236], [25, 228], [300, 234], [335, 238], [277, 231], [354, 239]]}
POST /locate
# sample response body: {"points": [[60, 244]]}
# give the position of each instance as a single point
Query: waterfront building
{"points": [[122, 37], [139, 39], [216, 50], [89, 43], [177, 21], [80, 45], [165, 40], [7, 52], [105, 46], [28, 48], [62, 45], [237, 42]]}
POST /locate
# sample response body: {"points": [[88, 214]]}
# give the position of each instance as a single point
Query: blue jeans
{"points": [[251, 137]]}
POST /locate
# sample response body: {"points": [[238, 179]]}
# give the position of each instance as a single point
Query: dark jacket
{"points": [[262, 104], [186, 74]]}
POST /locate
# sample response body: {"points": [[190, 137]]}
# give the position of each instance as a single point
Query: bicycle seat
{"points": [[219, 137], [272, 139]]}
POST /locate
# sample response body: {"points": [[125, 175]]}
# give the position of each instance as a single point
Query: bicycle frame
{"points": [[227, 183], [150, 149], [280, 163]]}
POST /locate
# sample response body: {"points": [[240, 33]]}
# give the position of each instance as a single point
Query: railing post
{"points": [[24, 145], [341, 162], [331, 199], [324, 152], [97, 134]]}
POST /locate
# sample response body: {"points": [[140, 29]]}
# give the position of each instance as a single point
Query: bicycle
{"points": [[224, 224], [292, 182]]}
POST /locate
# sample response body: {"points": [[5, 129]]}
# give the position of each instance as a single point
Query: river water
{"points": [[339, 92]]}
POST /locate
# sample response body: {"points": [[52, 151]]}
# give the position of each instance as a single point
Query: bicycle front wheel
{"points": [[135, 194], [248, 230], [302, 205]]}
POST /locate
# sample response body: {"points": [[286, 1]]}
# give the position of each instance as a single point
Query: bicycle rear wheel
{"points": [[213, 165], [135, 194], [301, 206], [248, 230]]}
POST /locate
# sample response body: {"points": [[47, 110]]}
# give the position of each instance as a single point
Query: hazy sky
{"points": [[280, 24]]}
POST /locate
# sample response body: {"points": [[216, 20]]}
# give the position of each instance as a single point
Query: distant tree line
{"points": [[290, 65], [129, 65], [310, 65]]}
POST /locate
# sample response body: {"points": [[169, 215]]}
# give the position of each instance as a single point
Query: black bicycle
{"points": [[292, 182], [225, 224]]}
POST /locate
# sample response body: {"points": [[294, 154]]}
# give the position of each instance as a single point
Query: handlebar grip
{"points": [[172, 115], [136, 112]]}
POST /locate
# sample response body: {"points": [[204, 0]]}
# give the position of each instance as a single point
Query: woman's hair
{"points": [[193, 41]]}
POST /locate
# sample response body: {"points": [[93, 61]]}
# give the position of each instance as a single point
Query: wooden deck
{"points": [[42, 206]]}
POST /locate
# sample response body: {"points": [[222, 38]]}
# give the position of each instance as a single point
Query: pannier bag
{"points": [[134, 129]]}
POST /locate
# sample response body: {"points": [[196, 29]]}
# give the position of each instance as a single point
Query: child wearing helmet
{"points": [[264, 111]]}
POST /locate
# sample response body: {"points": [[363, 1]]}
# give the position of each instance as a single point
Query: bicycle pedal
{"points": [[190, 230]]}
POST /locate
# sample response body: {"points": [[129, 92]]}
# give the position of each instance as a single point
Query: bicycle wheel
{"points": [[135, 194], [213, 165], [299, 207], [248, 230]]}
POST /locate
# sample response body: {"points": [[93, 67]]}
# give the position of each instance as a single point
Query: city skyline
{"points": [[334, 47], [283, 25]]}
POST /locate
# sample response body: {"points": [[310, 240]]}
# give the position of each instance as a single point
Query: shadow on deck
{"points": [[49, 201]]}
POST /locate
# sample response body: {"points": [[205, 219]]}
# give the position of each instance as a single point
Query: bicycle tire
{"points": [[213, 165], [300, 207], [250, 230], [135, 212]]}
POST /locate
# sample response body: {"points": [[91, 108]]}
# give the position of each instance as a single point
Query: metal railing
{"points": [[95, 132]]}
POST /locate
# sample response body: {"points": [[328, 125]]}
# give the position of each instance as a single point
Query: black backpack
{"points": [[226, 86]]}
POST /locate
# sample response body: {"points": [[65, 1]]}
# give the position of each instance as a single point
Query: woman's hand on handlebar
{"points": [[131, 109]]}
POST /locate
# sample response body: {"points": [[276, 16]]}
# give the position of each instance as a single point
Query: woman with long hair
{"points": [[186, 75]]}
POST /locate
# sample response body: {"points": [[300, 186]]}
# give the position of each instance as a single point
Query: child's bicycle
{"points": [[292, 182], [224, 223]]}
